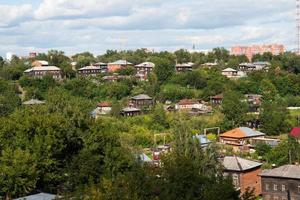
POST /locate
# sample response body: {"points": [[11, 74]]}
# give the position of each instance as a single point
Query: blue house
{"points": [[203, 141]]}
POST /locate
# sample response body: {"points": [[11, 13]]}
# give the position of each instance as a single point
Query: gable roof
{"points": [[89, 67], [99, 64], [43, 68], [218, 96], [188, 102], [103, 104], [286, 171], [40, 196], [242, 132], [202, 140], [229, 70], [233, 163], [130, 109], [42, 62], [184, 65], [146, 64], [295, 132], [141, 97], [33, 102], [121, 62]]}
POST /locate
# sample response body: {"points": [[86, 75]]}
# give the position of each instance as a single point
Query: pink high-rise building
{"points": [[250, 51]]}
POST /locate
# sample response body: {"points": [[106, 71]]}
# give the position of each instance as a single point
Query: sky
{"points": [[97, 25]]}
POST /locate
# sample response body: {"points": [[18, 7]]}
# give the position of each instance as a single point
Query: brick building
{"points": [[244, 173], [250, 51]]}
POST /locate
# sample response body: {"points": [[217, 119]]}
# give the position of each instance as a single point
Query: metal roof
{"points": [[121, 62], [33, 102], [130, 109], [185, 65], [286, 171], [233, 163], [202, 140], [242, 132], [229, 70], [40, 196], [146, 64], [89, 67], [43, 68], [141, 97]]}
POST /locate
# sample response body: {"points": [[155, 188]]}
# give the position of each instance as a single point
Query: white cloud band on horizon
{"points": [[77, 25]]}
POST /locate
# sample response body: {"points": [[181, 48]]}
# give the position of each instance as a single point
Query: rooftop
{"points": [[43, 68], [295, 132], [188, 102], [242, 132], [130, 109], [229, 70], [40, 196], [120, 62], [202, 139], [141, 97], [89, 67], [42, 62], [185, 65], [146, 64], [286, 171], [233, 163], [33, 102], [103, 104]]}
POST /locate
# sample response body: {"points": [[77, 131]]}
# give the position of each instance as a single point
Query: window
{"points": [[283, 188], [275, 188], [267, 187], [235, 179]]}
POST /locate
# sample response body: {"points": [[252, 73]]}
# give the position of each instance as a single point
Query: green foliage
{"points": [[159, 118], [164, 69], [273, 117], [8, 98], [234, 109], [249, 194], [18, 172]]}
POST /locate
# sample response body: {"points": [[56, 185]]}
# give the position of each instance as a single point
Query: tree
{"points": [[235, 109], [249, 194], [18, 173], [268, 90], [182, 56], [163, 69], [273, 117], [159, 118]]}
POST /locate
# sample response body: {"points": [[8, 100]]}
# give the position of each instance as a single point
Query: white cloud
{"points": [[97, 25], [11, 14]]}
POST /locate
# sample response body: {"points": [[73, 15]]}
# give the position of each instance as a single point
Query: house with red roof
{"points": [[295, 132], [241, 139], [217, 99], [103, 108]]}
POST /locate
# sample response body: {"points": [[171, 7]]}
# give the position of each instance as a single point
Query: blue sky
{"points": [[97, 25]]}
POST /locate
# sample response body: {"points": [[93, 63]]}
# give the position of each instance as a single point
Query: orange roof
{"points": [[103, 104], [242, 132], [235, 133], [187, 102]]}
